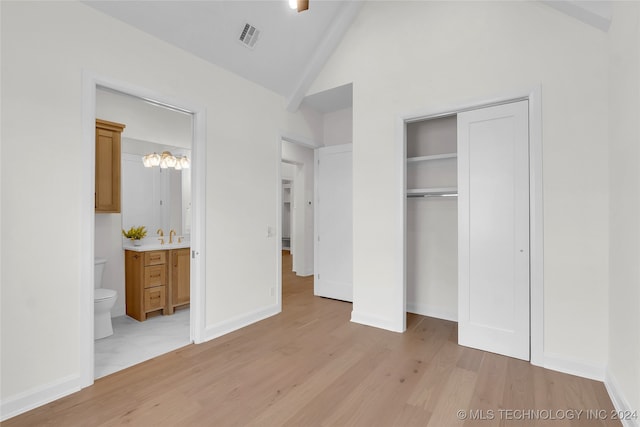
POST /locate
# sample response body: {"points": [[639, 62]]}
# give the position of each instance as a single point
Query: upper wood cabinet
{"points": [[107, 192]]}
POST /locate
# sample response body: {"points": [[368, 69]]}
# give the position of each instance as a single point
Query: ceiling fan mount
{"points": [[303, 5], [300, 5]]}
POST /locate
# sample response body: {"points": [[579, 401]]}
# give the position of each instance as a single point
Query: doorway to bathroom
{"points": [[168, 202], [157, 198]]}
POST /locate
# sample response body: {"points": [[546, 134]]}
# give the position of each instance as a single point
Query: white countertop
{"points": [[154, 246]]}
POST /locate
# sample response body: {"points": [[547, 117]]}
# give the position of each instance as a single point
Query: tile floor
{"points": [[133, 342]]}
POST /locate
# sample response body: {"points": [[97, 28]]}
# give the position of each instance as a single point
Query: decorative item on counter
{"points": [[135, 234]]}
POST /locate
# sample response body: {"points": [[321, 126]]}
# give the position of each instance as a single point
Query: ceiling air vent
{"points": [[249, 35]]}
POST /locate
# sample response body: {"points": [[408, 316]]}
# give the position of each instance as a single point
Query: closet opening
{"points": [[472, 222], [432, 218]]}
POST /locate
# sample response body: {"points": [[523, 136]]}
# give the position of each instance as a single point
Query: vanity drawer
{"points": [[154, 298], [155, 275], [155, 257]]}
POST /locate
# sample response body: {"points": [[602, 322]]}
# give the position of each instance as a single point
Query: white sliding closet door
{"points": [[334, 223], [493, 221]]}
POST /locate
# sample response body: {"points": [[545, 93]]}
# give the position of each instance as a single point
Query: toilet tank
{"points": [[97, 272]]}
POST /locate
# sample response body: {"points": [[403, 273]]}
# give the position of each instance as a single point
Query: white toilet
{"points": [[103, 302]]}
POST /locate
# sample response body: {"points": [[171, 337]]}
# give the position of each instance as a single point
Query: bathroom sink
{"points": [[154, 246]]}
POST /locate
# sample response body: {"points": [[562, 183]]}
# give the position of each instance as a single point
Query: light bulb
{"points": [[154, 159], [185, 163]]}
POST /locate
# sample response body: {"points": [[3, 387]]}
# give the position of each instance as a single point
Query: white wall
{"points": [[45, 48], [472, 51], [302, 242], [338, 127], [309, 130], [145, 121], [623, 376]]}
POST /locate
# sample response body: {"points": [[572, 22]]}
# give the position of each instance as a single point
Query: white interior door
{"points": [[334, 223], [493, 221]]}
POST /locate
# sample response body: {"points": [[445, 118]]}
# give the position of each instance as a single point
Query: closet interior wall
{"points": [[432, 218]]}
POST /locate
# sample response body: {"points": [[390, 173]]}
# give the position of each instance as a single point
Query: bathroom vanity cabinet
{"points": [[156, 280], [107, 190], [145, 283]]}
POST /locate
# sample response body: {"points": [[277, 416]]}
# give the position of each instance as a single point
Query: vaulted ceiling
{"points": [[291, 48]]}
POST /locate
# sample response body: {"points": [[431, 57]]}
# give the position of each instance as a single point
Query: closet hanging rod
{"points": [[432, 191], [414, 196]]}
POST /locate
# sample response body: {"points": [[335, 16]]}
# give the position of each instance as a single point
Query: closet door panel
{"points": [[493, 202]]}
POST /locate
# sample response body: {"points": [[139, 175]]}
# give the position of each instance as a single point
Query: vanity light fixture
{"points": [[166, 160], [182, 163], [150, 160]]}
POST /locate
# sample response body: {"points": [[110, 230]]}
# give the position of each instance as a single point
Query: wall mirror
{"points": [[152, 196]]}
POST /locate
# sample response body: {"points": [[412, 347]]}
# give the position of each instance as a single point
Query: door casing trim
{"points": [[90, 83]]}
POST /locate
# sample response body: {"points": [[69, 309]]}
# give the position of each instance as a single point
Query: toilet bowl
{"points": [[103, 302]]}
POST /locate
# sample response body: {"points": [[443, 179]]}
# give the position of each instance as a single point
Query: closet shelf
{"points": [[432, 157], [426, 192]]}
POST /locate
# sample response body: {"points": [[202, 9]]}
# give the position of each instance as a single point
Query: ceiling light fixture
{"points": [[166, 160]]}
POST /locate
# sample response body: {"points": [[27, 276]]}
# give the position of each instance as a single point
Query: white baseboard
{"points": [[579, 368], [238, 322], [376, 322], [431, 311], [38, 396], [620, 403]]}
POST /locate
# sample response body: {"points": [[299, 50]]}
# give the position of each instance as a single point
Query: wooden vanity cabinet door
{"points": [[107, 167], [134, 276], [180, 277]]}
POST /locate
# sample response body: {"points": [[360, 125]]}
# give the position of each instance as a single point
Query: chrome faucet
{"points": [[171, 234]]}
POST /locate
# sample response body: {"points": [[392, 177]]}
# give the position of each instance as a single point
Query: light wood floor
{"points": [[310, 366]]}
